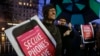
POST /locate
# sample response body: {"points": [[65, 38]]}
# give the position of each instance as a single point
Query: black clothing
{"points": [[56, 34], [98, 40], [71, 42], [62, 30]]}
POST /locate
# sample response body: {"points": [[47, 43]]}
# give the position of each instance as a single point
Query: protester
{"points": [[88, 35], [49, 14], [61, 24], [98, 41], [70, 38]]}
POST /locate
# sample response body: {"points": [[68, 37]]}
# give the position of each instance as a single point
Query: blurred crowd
{"points": [[69, 38], [74, 44]]}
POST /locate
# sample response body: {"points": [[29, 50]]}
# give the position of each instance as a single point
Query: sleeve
{"points": [[59, 43]]}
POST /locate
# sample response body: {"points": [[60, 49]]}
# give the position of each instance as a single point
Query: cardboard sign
{"points": [[87, 33], [31, 38], [36, 43]]}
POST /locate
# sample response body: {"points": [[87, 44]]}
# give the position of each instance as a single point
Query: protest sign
{"points": [[31, 38], [87, 33]]}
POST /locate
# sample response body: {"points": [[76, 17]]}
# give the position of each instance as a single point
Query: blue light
{"points": [[98, 1]]}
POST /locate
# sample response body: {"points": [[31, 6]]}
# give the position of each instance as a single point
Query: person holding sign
{"points": [[71, 40], [88, 36], [49, 14]]}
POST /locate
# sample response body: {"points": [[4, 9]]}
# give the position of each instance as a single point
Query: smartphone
{"points": [[31, 38]]}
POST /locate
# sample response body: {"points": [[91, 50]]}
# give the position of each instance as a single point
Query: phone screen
{"points": [[33, 41]]}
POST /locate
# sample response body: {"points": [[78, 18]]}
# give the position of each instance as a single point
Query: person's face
{"points": [[62, 22], [52, 13]]}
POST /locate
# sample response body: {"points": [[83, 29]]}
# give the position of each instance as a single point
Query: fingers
{"points": [[70, 26], [67, 33]]}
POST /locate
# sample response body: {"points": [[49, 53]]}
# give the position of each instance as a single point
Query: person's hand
{"points": [[67, 33], [70, 26]]}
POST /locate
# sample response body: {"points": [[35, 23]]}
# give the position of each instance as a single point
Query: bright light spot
{"points": [[12, 23], [3, 39], [20, 3], [2, 28], [27, 4], [24, 3], [30, 5]]}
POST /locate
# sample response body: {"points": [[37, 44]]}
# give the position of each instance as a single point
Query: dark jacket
{"points": [[56, 34], [98, 37], [70, 42], [74, 40]]}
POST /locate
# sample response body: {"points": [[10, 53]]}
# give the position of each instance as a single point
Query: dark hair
{"points": [[93, 23], [63, 17], [46, 8]]}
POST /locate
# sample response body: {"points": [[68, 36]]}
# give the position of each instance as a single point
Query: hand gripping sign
{"points": [[31, 38], [87, 33]]}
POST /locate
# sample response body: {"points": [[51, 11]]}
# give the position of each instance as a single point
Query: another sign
{"points": [[87, 33]]}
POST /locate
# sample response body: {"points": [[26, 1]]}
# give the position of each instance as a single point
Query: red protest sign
{"points": [[36, 43], [31, 38], [87, 32]]}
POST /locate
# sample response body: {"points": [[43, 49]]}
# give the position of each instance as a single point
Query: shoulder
{"points": [[99, 25], [56, 27]]}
